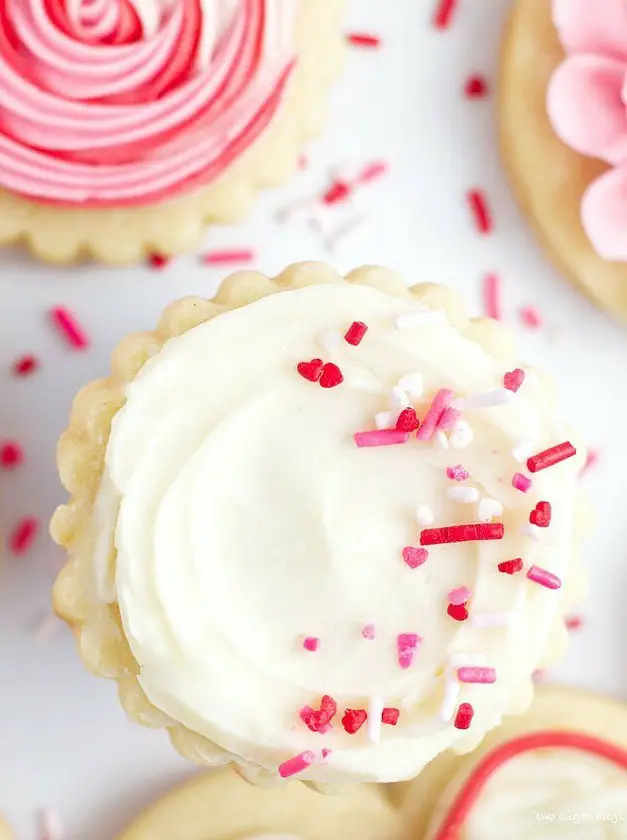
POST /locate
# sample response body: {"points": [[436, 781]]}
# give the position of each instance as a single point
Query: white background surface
{"points": [[63, 739]]}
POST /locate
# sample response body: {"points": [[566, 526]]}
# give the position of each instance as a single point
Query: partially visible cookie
{"points": [[5, 831], [558, 771], [549, 178]]}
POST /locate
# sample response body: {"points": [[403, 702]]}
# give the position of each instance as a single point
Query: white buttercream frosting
{"points": [[246, 519], [551, 794]]}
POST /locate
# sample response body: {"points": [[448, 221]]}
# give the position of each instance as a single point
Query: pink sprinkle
{"points": [[457, 473], [480, 211], [449, 418], [338, 191], [311, 643], [544, 578], [415, 557], [459, 596], [513, 379], [158, 261], [476, 87], [369, 631], [407, 646], [432, 418], [476, 675], [592, 458], [574, 622], [381, 437], [303, 161], [492, 296], [226, 257], [371, 171], [25, 365], [362, 39], [23, 535], [11, 455], [530, 317], [444, 11], [50, 826], [325, 753], [521, 482], [69, 327], [296, 764]]}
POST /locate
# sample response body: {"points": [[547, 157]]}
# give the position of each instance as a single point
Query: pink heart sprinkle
{"points": [[414, 557], [514, 379], [407, 646], [460, 595]]}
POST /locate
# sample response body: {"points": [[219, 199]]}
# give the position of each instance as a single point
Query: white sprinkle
{"points": [[488, 509], [399, 399], [46, 627], [413, 383], [346, 231], [473, 660], [488, 399], [441, 439], [385, 419], [330, 341], [49, 824], [296, 208], [424, 515], [522, 451], [375, 710], [420, 318], [463, 494], [490, 619], [452, 690], [361, 380], [532, 531], [462, 435]]}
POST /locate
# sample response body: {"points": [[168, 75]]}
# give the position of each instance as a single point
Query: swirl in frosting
{"points": [[587, 106], [248, 525], [126, 102]]}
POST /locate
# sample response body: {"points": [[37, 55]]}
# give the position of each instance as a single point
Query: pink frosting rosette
{"points": [[587, 106]]}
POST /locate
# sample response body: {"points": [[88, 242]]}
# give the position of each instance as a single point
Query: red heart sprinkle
{"points": [[514, 379], [407, 420], [331, 376], [312, 371], [414, 557], [509, 567], [476, 87], [353, 720], [390, 716], [541, 515], [457, 611], [464, 716]]}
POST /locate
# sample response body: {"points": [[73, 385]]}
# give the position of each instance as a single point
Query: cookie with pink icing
{"points": [[563, 124], [126, 125]]}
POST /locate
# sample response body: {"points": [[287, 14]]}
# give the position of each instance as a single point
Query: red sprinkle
{"points": [[476, 87], [458, 611], [574, 622], [355, 333], [513, 379], [25, 365], [390, 716], [492, 296], [444, 13], [338, 191], [480, 211], [541, 515], [331, 376], [407, 420], [510, 567], [353, 720], [550, 457], [311, 371], [226, 257], [11, 455], [462, 533], [69, 327], [363, 39], [464, 716], [23, 535], [530, 317], [158, 261]]}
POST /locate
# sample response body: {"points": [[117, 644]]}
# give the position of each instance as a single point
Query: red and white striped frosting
{"points": [[127, 102]]}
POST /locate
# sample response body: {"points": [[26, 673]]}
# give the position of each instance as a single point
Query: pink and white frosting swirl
{"points": [[127, 102], [587, 106]]}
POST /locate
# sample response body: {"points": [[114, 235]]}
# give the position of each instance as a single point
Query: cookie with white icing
{"points": [[323, 528], [559, 771], [126, 126], [564, 136]]}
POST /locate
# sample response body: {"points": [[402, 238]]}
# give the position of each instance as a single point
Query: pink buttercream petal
{"points": [[586, 109], [586, 26], [604, 214]]}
